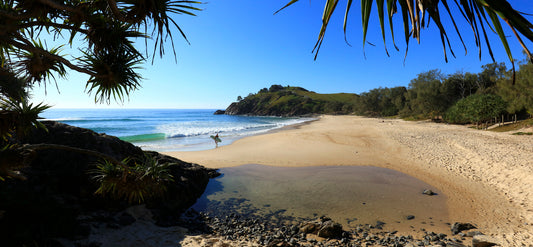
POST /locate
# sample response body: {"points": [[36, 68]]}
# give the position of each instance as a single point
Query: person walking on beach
{"points": [[216, 139]]}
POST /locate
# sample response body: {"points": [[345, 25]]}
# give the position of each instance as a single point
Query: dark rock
{"points": [[410, 217], [324, 227], [483, 241], [125, 219], [310, 227], [330, 229], [219, 112], [60, 187], [459, 227]]}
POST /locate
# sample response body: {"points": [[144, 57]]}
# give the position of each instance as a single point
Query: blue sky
{"points": [[239, 47]]}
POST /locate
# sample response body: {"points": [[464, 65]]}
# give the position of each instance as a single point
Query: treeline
{"points": [[457, 98]]}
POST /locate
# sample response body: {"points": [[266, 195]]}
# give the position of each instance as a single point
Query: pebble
{"points": [[262, 231]]}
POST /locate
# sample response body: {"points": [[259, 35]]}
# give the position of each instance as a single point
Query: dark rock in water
{"points": [[60, 187], [459, 227], [219, 112], [428, 192], [483, 241]]}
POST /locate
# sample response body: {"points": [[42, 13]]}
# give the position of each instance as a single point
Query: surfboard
{"points": [[217, 139]]}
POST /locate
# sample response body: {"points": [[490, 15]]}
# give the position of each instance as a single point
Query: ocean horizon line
{"points": [[133, 108]]}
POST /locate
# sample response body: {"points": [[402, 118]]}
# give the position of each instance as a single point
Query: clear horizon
{"points": [[235, 51]]}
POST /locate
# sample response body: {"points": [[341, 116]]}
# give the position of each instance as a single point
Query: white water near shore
{"points": [[169, 129]]}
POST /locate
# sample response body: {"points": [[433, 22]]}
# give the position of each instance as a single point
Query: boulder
{"points": [[219, 112], [459, 227], [323, 227], [483, 241], [330, 229]]}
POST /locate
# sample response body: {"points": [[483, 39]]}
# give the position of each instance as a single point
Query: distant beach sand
{"points": [[486, 176]]}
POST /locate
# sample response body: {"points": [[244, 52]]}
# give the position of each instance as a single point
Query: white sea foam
{"points": [[199, 128], [63, 119]]}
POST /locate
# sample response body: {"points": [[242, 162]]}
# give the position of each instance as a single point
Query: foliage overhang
{"points": [[107, 28], [481, 15]]}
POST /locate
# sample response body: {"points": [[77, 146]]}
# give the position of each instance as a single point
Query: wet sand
{"points": [[486, 176]]}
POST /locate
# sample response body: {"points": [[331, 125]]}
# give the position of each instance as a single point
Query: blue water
{"points": [[169, 129]]}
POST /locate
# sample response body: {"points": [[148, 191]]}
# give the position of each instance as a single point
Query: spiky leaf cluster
{"points": [[103, 30], [18, 117], [135, 183]]}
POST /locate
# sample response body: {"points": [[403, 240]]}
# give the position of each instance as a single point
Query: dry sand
{"points": [[486, 176]]}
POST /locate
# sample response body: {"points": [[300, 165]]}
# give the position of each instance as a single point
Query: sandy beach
{"points": [[486, 176]]}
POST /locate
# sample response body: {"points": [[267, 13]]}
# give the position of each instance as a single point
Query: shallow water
{"points": [[350, 195]]}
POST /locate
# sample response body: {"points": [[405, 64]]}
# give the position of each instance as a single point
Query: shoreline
{"points": [[485, 175]]}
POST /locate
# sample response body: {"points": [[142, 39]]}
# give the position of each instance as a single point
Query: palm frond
{"points": [[12, 158], [156, 13], [107, 36], [114, 74], [24, 115], [11, 86], [144, 180], [414, 13], [37, 67]]}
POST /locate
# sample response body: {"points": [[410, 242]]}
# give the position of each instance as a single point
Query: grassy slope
{"points": [[514, 126], [290, 98]]}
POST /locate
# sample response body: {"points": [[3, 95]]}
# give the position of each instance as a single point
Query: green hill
{"points": [[292, 101]]}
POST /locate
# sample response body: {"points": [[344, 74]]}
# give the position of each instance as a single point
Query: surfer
{"points": [[216, 139]]}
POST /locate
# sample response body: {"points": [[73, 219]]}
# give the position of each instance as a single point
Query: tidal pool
{"points": [[350, 195]]}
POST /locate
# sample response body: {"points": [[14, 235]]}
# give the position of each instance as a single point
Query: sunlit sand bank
{"points": [[486, 176]]}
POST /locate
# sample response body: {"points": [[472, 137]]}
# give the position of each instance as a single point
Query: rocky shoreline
{"points": [[323, 231], [59, 187], [135, 227]]}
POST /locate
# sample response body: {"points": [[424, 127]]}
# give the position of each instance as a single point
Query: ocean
{"points": [[169, 129]]}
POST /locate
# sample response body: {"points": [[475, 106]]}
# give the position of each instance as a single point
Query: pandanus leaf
{"points": [[366, 8], [381, 13]]}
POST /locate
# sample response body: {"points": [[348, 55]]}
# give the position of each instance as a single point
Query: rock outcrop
{"points": [[59, 186], [324, 228]]}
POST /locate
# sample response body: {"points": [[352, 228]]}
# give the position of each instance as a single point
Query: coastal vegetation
{"points": [[492, 95], [102, 32], [292, 101], [461, 97]]}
